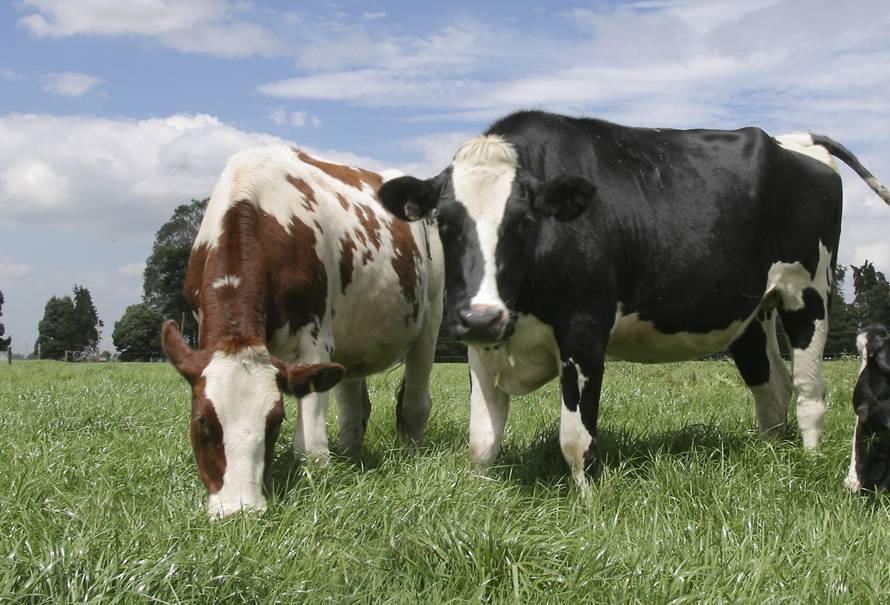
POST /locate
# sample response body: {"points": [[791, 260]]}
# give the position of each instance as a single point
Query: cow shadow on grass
{"points": [[288, 473], [540, 461]]}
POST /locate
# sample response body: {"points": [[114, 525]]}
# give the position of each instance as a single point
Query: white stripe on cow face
{"points": [[483, 173], [243, 389]]}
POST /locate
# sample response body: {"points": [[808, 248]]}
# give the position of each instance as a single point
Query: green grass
{"points": [[100, 501]]}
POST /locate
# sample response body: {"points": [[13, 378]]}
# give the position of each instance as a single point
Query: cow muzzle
{"points": [[481, 323]]}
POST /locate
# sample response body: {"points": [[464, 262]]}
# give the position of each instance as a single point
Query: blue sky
{"points": [[112, 113]]}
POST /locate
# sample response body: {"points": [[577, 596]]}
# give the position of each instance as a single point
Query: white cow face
{"points": [[237, 410], [489, 209]]}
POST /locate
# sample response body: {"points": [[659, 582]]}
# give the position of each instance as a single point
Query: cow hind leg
{"points": [[807, 329], [354, 410], [756, 355]]}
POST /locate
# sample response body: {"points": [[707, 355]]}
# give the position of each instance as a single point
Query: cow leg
{"points": [[582, 346], [413, 402], [756, 354], [311, 434], [354, 407], [489, 407], [807, 329]]}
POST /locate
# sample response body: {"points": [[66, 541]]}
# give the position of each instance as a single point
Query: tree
{"points": [[87, 320], [57, 331], [872, 299], [137, 334], [165, 268], [4, 342], [843, 324]]}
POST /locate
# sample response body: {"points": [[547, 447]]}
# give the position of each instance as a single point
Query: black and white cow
{"points": [[568, 240], [870, 456]]}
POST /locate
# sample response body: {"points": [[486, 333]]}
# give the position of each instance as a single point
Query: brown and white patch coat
{"points": [[297, 263]]}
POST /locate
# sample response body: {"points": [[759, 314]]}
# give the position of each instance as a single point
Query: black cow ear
{"points": [[409, 198], [564, 197]]}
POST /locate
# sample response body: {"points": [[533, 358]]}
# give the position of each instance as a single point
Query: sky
{"points": [[113, 113]]}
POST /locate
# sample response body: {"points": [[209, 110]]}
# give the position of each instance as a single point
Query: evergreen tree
{"points": [[842, 320], [88, 322], [4, 342], [872, 300], [57, 331], [137, 334]]}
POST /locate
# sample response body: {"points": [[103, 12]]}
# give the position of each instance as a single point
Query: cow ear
{"points": [[564, 197], [187, 362], [409, 198], [300, 379]]}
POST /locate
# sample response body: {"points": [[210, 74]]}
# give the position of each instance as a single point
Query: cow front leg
{"points": [[488, 412], [311, 434], [582, 356]]}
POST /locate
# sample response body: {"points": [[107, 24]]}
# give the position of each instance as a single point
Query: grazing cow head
{"points": [[237, 410], [489, 209], [871, 399]]}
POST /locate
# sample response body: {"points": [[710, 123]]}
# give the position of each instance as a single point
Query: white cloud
{"points": [[9, 74], [878, 253], [34, 181], [11, 268], [435, 150], [297, 119], [134, 269], [59, 18], [70, 84], [278, 116], [215, 27], [129, 176], [371, 16]]}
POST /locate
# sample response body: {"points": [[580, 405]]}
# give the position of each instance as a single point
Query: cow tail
{"points": [[847, 157]]}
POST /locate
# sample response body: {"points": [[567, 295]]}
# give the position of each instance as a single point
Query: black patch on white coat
{"points": [[464, 264], [749, 353], [569, 380], [800, 324]]}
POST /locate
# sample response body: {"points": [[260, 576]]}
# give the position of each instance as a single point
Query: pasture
{"points": [[100, 501]]}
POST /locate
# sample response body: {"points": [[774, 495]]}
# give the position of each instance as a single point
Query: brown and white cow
{"points": [[299, 278]]}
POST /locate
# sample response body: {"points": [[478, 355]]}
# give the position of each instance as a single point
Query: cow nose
{"points": [[481, 322]]}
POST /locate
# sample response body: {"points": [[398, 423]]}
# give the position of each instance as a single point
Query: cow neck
{"points": [[233, 293]]}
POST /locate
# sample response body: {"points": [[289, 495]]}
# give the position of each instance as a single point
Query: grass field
{"points": [[100, 501]]}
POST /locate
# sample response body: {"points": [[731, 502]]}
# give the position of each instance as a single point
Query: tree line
{"points": [[72, 324]]}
